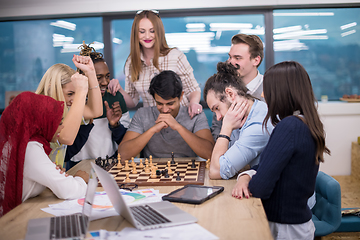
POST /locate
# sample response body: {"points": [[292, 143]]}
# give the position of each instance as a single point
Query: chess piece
{"points": [[153, 173], [98, 161], [193, 163], [106, 162], [168, 168], [166, 174], [172, 158], [126, 165], [208, 163], [150, 158], [146, 161], [151, 163], [141, 164], [119, 161], [127, 179], [133, 162], [147, 169], [178, 178], [134, 169]]}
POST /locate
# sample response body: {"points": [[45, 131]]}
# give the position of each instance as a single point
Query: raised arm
{"points": [[73, 118], [93, 107]]}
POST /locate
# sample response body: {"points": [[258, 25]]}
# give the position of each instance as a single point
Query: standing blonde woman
{"points": [[64, 84], [149, 55]]}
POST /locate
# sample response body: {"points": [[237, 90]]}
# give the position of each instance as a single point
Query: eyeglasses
{"points": [[128, 186], [156, 12]]}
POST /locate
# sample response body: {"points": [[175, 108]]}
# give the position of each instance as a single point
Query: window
{"points": [[29, 48], [326, 42]]}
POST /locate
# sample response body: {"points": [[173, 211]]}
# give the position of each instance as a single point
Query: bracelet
{"points": [[224, 136], [94, 87]]}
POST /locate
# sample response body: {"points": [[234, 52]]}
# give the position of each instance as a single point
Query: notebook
{"points": [[65, 227], [145, 216]]}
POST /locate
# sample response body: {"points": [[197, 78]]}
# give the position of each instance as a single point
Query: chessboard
{"points": [[184, 171]]}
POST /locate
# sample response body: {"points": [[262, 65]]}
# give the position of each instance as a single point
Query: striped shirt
{"points": [[176, 61]]}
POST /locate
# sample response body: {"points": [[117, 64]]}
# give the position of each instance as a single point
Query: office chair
{"points": [[327, 210], [349, 223]]}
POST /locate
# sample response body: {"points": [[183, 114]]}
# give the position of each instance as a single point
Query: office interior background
{"points": [[324, 36]]}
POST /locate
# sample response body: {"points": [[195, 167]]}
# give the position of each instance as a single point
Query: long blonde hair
{"points": [[160, 48], [53, 81]]}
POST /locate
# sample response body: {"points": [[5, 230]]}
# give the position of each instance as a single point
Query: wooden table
{"points": [[223, 215]]}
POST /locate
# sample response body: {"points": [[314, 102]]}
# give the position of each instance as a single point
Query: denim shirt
{"points": [[246, 143]]}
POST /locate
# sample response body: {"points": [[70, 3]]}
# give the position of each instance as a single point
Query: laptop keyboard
{"points": [[148, 216], [67, 226]]}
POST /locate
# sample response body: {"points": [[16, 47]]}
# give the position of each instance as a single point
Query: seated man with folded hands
{"points": [[167, 127]]}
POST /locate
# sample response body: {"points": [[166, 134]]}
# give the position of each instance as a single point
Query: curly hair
{"points": [[226, 76]]}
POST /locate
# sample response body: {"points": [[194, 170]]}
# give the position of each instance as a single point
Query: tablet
{"points": [[194, 194]]}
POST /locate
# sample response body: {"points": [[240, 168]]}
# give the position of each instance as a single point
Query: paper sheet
{"points": [[188, 231], [102, 206]]}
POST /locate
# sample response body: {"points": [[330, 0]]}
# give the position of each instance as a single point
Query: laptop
{"points": [[65, 227], [143, 216]]}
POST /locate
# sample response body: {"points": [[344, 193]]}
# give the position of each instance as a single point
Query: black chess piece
{"points": [[107, 162], [193, 163], [172, 158], [166, 173], [158, 172], [178, 178], [98, 161]]}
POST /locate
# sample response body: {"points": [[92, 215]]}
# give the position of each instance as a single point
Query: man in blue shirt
{"points": [[242, 137]]}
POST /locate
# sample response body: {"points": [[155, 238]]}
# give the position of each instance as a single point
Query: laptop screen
{"points": [[90, 193]]}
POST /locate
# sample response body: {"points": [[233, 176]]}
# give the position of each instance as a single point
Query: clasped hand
{"points": [[164, 121]]}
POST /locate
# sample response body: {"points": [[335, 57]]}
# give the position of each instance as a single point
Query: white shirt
{"points": [[255, 83], [40, 172]]}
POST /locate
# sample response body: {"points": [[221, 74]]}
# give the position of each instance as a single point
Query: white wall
{"points": [[31, 8], [342, 126]]}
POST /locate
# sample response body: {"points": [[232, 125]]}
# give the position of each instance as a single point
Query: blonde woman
{"points": [[150, 55], [64, 84]]}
